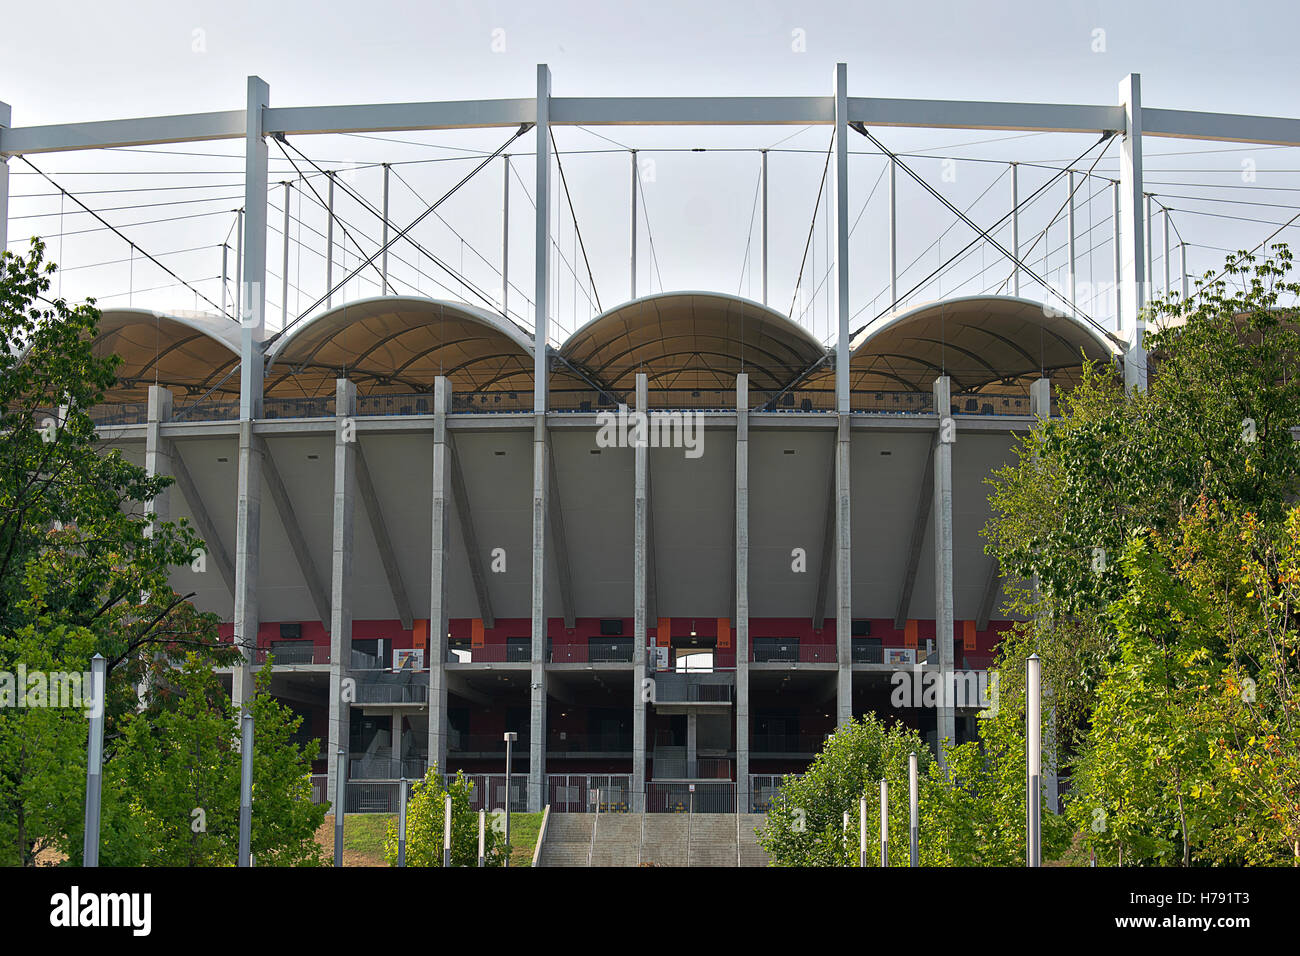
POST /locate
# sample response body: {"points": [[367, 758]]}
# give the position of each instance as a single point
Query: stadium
{"points": [[444, 526]]}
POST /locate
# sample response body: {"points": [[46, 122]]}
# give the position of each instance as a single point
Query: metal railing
{"points": [[383, 687], [576, 793], [798, 742], [462, 743], [297, 652], [489, 790], [618, 653], [764, 788], [670, 688], [386, 768], [792, 652], [663, 796]]}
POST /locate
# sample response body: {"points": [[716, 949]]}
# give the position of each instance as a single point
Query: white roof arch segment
{"points": [[397, 302], [760, 310], [901, 316]]}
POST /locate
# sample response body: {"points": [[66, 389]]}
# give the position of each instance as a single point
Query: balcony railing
{"points": [[792, 652], [798, 742], [570, 743], [386, 768], [489, 790], [298, 652], [383, 687], [610, 653], [764, 788], [463, 743], [670, 688]]}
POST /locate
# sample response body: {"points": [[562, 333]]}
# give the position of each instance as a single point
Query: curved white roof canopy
{"points": [[985, 343], [691, 342], [400, 344], [191, 354]]}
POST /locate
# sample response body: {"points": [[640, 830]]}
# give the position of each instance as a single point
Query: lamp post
{"points": [[340, 795], [1033, 757], [510, 737], [914, 824], [884, 822], [246, 791], [401, 825], [94, 761]]}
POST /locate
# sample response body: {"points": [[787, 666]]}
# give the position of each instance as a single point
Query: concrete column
{"points": [[944, 627], [741, 638], [640, 522], [1040, 405], [1133, 273], [436, 752], [252, 316], [1069, 240], [839, 208], [692, 743], [541, 296], [893, 233], [345, 487], [6, 118], [843, 577], [329, 242], [157, 451], [1015, 228], [763, 229], [537, 706], [632, 243]]}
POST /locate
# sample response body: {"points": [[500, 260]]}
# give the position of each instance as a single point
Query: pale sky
{"points": [[63, 62]]}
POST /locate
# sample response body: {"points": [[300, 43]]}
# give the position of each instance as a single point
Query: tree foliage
{"points": [[425, 811]]}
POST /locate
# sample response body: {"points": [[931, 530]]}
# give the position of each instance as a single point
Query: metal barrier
{"points": [[684, 796], [297, 652], [386, 768], [576, 793], [791, 652], [764, 788], [488, 790]]}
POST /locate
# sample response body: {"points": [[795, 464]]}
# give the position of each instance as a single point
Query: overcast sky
{"points": [[62, 62]]}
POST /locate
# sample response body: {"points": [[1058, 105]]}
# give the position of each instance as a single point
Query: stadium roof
{"points": [[400, 344], [190, 354], [983, 342], [692, 341]]}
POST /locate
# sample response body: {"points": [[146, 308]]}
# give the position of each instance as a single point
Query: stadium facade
{"points": [[416, 507]]}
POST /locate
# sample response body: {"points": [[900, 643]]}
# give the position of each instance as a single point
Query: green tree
{"points": [[174, 781], [805, 822], [425, 810]]}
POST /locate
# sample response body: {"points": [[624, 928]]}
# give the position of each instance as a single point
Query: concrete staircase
{"points": [[653, 839]]}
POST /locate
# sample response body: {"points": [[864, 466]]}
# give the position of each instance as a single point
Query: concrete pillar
{"points": [[1015, 228], [692, 743], [541, 296], [640, 523], [944, 625], [1133, 272], [157, 451], [1040, 405], [345, 488], [741, 638], [843, 577], [537, 706], [436, 751], [252, 316], [6, 118], [632, 242], [1072, 284], [839, 208], [763, 228]]}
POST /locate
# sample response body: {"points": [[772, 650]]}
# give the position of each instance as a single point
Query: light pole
{"points": [[94, 761], [914, 824], [340, 795], [246, 790], [401, 825], [1033, 757], [884, 822], [510, 737]]}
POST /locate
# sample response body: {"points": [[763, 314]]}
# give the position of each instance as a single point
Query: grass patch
{"points": [[363, 838]]}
